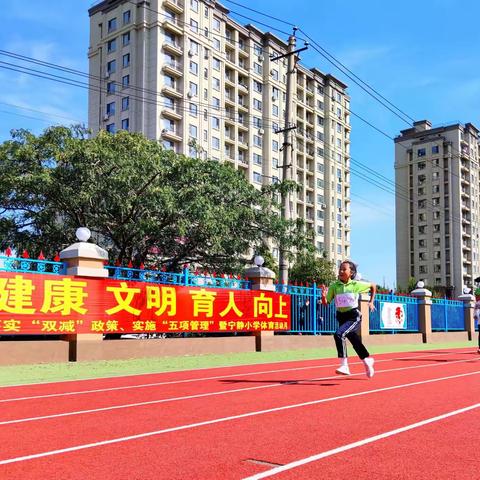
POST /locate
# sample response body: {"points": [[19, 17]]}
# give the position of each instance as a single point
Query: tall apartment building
{"points": [[189, 75], [437, 205]]}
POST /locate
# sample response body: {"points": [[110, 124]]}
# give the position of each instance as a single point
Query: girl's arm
{"points": [[324, 294], [373, 291]]}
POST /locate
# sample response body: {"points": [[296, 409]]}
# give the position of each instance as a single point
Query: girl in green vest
{"points": [[345, 292]]}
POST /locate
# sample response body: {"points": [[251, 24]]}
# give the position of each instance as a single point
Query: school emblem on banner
{"points": [[393, 315]]}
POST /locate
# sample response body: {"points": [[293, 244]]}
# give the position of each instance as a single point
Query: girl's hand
{"points": [[371, 306]]}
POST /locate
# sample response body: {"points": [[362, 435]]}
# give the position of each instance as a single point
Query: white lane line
{"points": [[208, 394], [75, 380], [360, 443], [224, 419], [218, 377]]}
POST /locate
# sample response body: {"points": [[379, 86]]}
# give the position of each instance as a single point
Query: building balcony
{"points": [[173, 68], [173, 5], [171, 135], [171, 92], [230, 99], [172, 112], [172, 47], [172, 25]]}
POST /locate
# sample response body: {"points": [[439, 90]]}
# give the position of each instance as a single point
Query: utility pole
{"points": [[287, 146]]}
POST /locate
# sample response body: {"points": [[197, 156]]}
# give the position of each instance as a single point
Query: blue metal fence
{"points": [[308, 314], [186, 278], [447, 315], [28, 265], [411, 310]]}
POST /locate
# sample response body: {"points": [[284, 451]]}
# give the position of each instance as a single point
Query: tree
{"points": [[140, 201], [310, 268]]}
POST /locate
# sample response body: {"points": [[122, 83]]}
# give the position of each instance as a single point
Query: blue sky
{"points": [[421, 56]]}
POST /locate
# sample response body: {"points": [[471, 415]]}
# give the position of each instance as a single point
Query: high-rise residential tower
{"points": [[437, 205], [187, 74]]}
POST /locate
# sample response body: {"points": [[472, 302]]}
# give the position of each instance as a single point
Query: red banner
{"points": [[51, 304]]}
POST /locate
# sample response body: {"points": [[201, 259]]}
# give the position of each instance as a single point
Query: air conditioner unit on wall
{"points": [[191, 53], [261, 131], [106, 117]]}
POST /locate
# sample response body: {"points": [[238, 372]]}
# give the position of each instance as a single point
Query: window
{"points": [[422, 229], [112, 66], [435, 149], [257, 141], [193, 67], [216, 83], [436, 227], [194, 5], [274, 145], [126, 39], [127, 17], [193, 131], [169, 81], [275, 110], [216, 24], [111, 108], [215, 123], [257, 86], [112, 25], [194, 26], [275, 93], [274, 162], [111, 87], [274, 74], [193, 109], [110, 128], [125, 103], [435, 188], [125, 124], [194, 47], [421, 152], [216, 44], [421, 204], [421, 165], [193, 89], [257, 104], [257, 177], [257, 68], [216, 103], [216, 63], [125, 81], [111, 45], [215, 143], [126, 60], [435, 175], [257, 159]]}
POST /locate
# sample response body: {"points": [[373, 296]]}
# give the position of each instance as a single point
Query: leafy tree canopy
{"points": [[310, 268], [140, 201]]}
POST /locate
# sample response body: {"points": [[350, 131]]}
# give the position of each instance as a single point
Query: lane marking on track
{"points": [[360, 443], [211, 394], [75, 380], [223, 419], [189, 380]]}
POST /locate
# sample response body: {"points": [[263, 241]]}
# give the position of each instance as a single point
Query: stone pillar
{"points": [[83, 260], [424, 313], [364, 331], [468, 308], [262, 279]]}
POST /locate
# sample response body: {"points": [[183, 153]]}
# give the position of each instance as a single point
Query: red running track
{"points": [[417, 418]]}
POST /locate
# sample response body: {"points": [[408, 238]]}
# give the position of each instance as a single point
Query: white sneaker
{"points": [[369, 361], [343, 370]]}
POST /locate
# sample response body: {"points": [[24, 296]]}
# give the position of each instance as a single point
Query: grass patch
{"points": [[20, 374]]}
